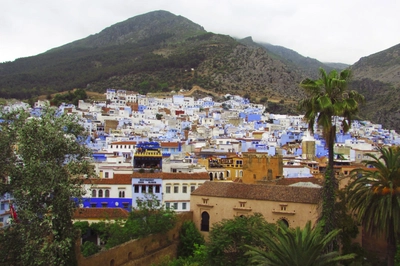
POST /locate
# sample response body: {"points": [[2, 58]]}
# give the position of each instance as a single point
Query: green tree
{"points": [[43, 173], [189, 237], [228, 239], [89, 248], [284, 246], [150, 217], [374, 196], [327, 100]]}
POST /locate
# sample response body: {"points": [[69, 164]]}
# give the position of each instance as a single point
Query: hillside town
{"points": [[217, 160], [172, 146]]}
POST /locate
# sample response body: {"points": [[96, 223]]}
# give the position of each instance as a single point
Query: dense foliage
{"points": [[149, 217], [189, 238], [250, 240], [282, 246], [70, 97], [45, 159], [228, 239], [374, 196]]}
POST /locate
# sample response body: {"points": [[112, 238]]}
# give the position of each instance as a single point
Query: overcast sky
{"points": [[330, 31]]}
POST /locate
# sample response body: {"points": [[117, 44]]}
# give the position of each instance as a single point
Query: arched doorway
{"points": [[205, 222], [284, 221]]}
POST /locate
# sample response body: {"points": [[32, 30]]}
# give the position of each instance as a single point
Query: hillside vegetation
{"points": [[160, 52]]}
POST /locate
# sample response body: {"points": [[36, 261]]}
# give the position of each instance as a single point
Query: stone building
{"points": [[214, 201]]}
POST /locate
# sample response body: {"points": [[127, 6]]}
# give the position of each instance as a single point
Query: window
{"points": [[93, 193], [143, 189], [168, 189], [205, 200], [107, 193], [106, 174], [121, 193], [150, 189], [192, 188], [136, 189], [100, 193], [157, 189], [2, 206], [167, 205], [175, 205], [184, 189], [183, 205], [242, 204], [176, 189]]}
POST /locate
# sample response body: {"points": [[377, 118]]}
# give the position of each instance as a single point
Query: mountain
{"points": [[139, 28], [154, 52], [377, 77], [383, 66], [307, 65], [160, 52]]}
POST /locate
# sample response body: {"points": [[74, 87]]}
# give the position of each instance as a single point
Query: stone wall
{"points": [[144, 251]]}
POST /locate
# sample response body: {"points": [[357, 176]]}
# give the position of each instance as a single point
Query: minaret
{"points": [[308, 147]]}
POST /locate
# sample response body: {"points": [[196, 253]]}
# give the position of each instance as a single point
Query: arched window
{"points": [[221, 176], [227, 173], [211, 177], [107, 193], [100, 193], [205, 222], [93, 193], [240, 173]]}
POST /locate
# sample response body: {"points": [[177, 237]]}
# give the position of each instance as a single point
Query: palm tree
{"points": [[327, 100], [287, 246], [374, 196]]}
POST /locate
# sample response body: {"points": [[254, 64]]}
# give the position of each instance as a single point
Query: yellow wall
{"points": [[297, 214], [256, 166]]}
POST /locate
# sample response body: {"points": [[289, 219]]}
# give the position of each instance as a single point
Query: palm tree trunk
{"points": [[328, 208]]}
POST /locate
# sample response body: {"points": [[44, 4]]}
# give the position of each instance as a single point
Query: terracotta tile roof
{"points": [[259, 192], [196, 176], [100, 213], [122, 179], [126, 179], [123, 143], [169, 144], [290, 181]]}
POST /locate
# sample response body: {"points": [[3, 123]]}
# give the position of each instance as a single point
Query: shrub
{"points": [[89, 248]]}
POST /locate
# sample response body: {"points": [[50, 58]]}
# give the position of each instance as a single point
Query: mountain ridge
{"points": [[159, 51]]}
